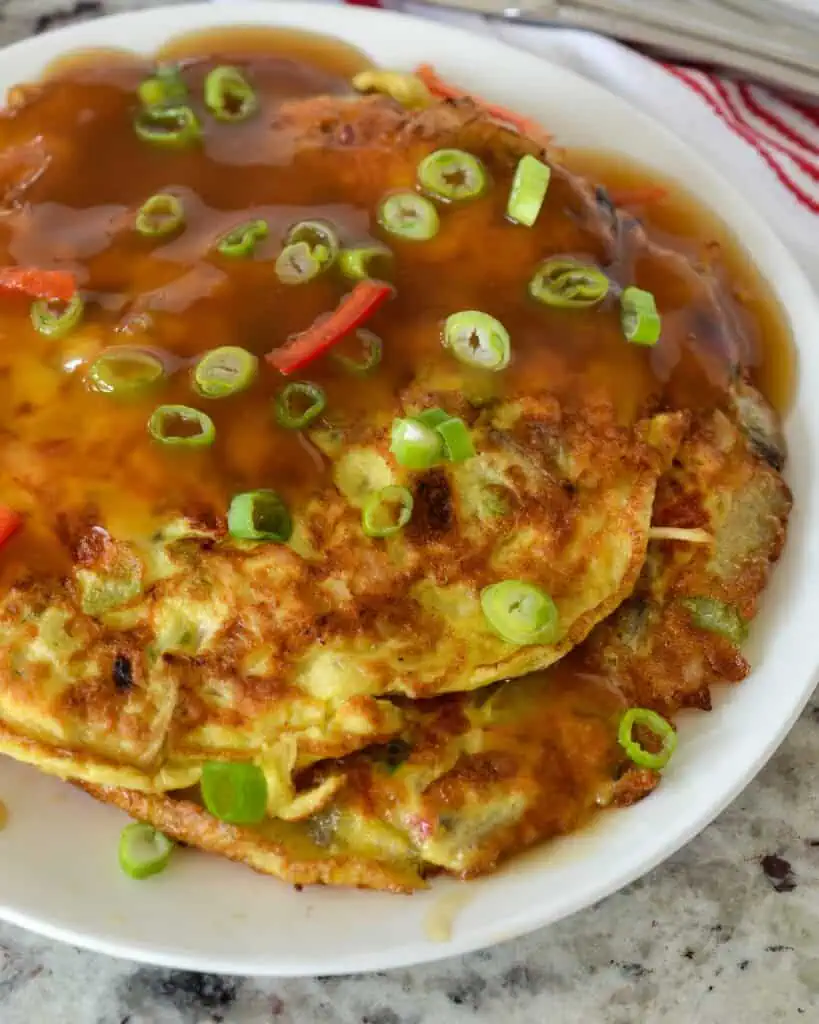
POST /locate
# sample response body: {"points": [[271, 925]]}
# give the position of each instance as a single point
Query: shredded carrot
{"points": [[640, 196], [55, 285], [444, 90]]}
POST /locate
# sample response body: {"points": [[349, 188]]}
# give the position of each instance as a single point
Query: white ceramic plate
{"points": [[59, 868]]}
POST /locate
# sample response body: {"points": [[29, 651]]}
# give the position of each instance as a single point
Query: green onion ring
{"points": [[415, 445], [358, 264], [242, 240], [229, 96], [662, 729], [164, 88], [478, 340], [717, 617], [520, 612], [432, 417], [387, 511], [143, 851], [259, 515], [567, 284], [291, 410], [181, 425], [235, 793], [528, 191], [639, 317], [371, 348], [296, 264], [320, 236], [225, 371], [410, 216], [168, 127], [452, 174], [458, 445], [56, 319], [161, 215], [125, 370]]}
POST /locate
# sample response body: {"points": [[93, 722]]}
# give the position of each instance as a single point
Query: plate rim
{"points": [[301, 14]]}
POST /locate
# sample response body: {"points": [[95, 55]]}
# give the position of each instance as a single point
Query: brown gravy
{"points": [[74, 174]]}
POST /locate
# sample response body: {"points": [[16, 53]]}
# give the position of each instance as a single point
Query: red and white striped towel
{"points": [[768, 143]]}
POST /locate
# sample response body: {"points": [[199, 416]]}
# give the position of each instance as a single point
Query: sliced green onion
{"points": [[717, 617], [296, 264], [235, 793], [125, 370], [567, 284], [229, 96], [458, 446], [225, 371], [662, 729], [359, 264], [298, 404], [639, 317], [160, 215], [387, 511], [259, 515], [371, 350], [320, 237], [408, 215], [432, 417], [478, 339], [143, 851], [416, 445], [242, 240], [164, 88], [452, 174], [529, 188], [169, 127], [520, 612], [181, 425], [56, 319]]}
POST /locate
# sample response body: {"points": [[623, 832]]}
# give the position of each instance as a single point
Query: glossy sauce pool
{"points": [[74, 174]]}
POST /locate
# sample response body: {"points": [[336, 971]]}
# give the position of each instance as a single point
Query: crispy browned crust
{"points": [[651, 647], [187, 822]]}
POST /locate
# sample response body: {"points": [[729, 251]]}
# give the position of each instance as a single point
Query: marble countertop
{"points": [[726, 931]]}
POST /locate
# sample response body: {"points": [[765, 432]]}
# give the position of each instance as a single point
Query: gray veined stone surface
{"points": [[726, 932]]}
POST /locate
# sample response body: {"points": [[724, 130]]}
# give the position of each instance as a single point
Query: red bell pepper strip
{"points": [[354, 309], [10, 522], [53, 285], [444, 90]]}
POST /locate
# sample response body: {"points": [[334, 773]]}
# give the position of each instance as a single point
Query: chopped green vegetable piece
{"points": [[55, 319], [452, 174], [478, 340], [181, 425], [458, 446], [360, 264], [416, 445], [639, 317], [161, 215], [225, 371], [234, 792], [164, 88], [229, 96], [143, 851], [520, 612], [529, 188], [125, 370], [259, 515], [387, 511], [298, 404], [663, 730], [242, 240], [371, 349], [717, 617], [567, 284], [410, 216], [168, 127]]}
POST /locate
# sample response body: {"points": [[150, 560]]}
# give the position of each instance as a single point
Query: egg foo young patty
{"points": [[351, 416]]}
